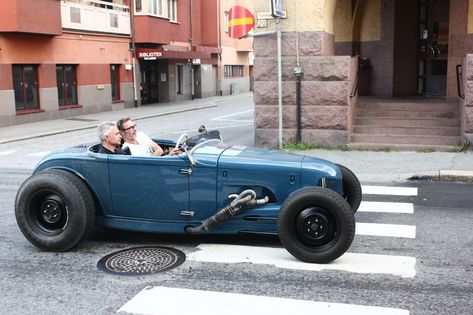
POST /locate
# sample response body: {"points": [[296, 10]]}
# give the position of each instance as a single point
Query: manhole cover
{"points": [[141, 261]]}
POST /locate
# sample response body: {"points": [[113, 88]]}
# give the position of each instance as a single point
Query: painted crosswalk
{"points": [[386, 207], [163, 300], [352, 262]]}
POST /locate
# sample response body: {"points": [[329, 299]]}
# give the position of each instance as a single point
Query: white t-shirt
{"points": [[142, 148]]}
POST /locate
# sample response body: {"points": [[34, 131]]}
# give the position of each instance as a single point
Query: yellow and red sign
{"points": [[240, 21]]}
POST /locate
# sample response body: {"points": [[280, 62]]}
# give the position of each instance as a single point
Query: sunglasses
{"points": [[132, 126]]}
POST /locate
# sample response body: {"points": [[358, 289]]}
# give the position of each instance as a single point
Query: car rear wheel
{"points": [[351, 188], [54, 210], [316, 225]]}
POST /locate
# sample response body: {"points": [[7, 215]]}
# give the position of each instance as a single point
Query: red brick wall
{"points": [[31, 16]]}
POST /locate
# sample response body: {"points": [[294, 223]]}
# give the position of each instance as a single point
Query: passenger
{"points": [[138, 142], [110, 139]]}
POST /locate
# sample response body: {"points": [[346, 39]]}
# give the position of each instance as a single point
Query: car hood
{"points": [[235, 156]]}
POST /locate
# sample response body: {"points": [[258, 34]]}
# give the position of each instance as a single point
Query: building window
{"points": [[25, 86], [75, 15], [138, 6], [179, 79], [226, 21], [172, 10], [155, 7], [66, 84], [233, 71], [115, 81], [113, 20]]}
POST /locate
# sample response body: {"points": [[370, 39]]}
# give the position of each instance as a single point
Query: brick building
{"points": [[72, 57]]}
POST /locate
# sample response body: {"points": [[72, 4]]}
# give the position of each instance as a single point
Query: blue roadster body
{"points": [[308, 202]]}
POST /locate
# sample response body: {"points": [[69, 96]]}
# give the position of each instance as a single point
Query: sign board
{"points": [[276, 8], [240, 21], [269, 16], [150, 55]]}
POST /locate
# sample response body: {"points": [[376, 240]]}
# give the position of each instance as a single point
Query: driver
{"points": [[138, 142]]}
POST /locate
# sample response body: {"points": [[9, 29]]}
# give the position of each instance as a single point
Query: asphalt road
{"points": [[35, 282], [413, 259]]}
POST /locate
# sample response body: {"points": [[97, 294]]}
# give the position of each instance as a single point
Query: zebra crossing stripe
{"points": [[3, 153], [162, 300], [386, 207], [39, 153], [401, 266], [389, 190], [390, 230]]}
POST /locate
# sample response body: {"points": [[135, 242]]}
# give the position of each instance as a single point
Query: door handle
{"points": [[432, 50]]}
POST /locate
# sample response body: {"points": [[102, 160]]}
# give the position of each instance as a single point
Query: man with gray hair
{"points": [[110, 138]]}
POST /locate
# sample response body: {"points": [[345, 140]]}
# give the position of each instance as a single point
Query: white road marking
{"points": [[162, 300], [234, 114], [389, 190], [3, 153], [402, 266], [39, 153], [386, 207], [390, 230]]}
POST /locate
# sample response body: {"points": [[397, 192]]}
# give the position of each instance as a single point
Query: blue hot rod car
{"points": [[211, 187]]}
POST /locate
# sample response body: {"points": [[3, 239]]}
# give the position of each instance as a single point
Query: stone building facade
{"points": [[391, 50]]}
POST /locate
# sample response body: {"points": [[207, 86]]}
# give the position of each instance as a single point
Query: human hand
{"points": [[175, 151]]}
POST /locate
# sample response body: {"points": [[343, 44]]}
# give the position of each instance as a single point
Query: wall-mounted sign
{"points": [[150, 55]]}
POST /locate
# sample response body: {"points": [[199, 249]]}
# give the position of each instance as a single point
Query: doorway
{"points": [[149, 82], [433, 48]]}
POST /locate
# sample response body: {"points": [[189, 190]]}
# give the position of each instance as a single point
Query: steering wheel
{"points": [[181, 140]]}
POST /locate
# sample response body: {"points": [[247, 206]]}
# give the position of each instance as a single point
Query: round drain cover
{"points": [[139, 261]]}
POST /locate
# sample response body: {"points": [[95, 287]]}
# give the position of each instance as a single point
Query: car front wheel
{"points": [[316, 225], [351, 188], [54, 210]]}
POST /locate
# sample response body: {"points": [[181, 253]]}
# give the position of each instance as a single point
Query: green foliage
{"points": [[298, 146], [425, 150], [462, 147]]}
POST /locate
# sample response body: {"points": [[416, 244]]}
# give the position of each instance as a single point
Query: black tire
{"points": [[54, 210], [316, 225], [351, 188]]}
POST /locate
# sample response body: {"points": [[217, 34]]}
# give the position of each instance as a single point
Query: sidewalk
{"points": [[50, 127], [367, 165]]}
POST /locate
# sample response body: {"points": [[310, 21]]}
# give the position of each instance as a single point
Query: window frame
{"points": [[23, 91], [115, 83], [64, 82], [233, 71], [172, 10], [179, 79]]}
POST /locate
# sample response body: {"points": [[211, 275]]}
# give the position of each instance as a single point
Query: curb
{"points": [[445, 175], [94, 125]]}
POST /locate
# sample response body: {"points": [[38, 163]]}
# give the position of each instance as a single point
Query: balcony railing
{"points": [[95, 16]]}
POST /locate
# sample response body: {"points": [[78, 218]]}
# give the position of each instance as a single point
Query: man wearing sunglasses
{"points": [[138, 142], [110, 139]]}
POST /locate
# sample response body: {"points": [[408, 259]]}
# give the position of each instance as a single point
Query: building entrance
{"points": [[149, 82], [433, 48]]}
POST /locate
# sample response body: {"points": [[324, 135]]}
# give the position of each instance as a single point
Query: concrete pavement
{"points": [[369, 166]]}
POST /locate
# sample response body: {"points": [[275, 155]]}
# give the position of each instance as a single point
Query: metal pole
{"points": [[298, 108], [133, 53], [278, 35]]}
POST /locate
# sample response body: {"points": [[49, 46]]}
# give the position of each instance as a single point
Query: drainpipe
{"points": [[133, 53], [192, 44], [219, 68], [298, 74]]}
